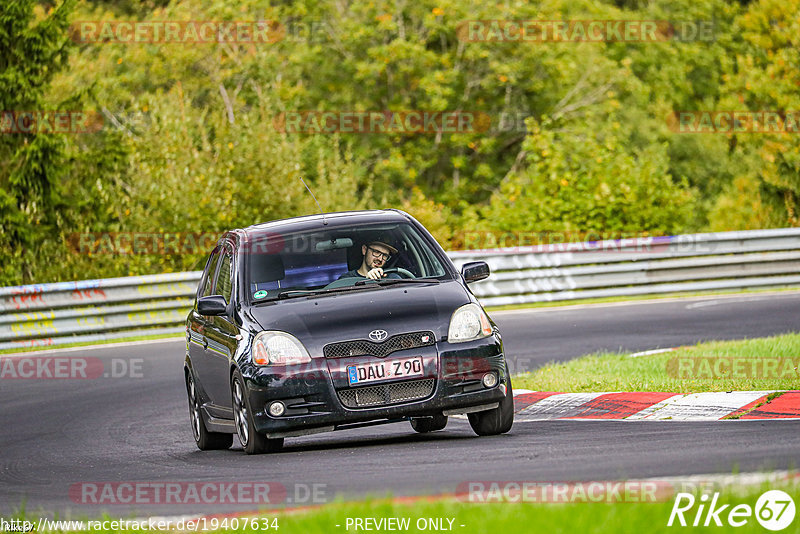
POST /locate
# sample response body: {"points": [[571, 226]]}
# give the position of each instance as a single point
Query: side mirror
{"points": [[212, 305], [474, 271]]}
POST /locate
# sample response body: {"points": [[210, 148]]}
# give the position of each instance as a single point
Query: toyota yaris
{"points": [[337, 321]]}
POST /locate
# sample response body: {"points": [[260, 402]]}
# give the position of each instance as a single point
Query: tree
{"points": [[33, 48], [766, 78], [578, 180]]}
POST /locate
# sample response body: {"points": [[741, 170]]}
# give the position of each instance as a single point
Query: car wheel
{"points": [[497, 420], [205, 440], [423, 425], [253, 442]]}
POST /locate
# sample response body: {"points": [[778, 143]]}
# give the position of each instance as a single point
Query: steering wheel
{"points": [[400, 271], [344, 282]]}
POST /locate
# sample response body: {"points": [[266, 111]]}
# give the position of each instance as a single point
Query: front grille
{"points": [[386, 394], [363, 347]]}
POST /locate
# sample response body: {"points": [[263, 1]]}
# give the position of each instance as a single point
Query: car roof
{"points": [[321, 221]]}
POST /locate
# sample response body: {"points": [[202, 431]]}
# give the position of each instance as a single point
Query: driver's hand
{"points": [[375, 274]]}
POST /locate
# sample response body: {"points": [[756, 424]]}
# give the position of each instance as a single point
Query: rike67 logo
{"points": [[774, 510]]}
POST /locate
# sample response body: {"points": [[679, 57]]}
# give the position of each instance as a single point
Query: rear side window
{"points": [[224, 280], [208, 275]]}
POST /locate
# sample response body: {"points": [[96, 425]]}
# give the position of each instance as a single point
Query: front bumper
{"points": [[313, 393]]}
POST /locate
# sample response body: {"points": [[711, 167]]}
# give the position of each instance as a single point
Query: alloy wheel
{"points": [[240, 413]]}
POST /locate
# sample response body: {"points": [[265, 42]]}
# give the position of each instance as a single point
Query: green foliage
{"points": [[577, 180], [31, 166], [766, 78], [51, 185], [199, 172]]}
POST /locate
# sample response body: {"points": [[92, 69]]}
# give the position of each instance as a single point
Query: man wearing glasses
{"points": [[376, 254]]}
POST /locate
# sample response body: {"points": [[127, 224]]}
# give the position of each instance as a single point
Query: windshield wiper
{"points": [[291, 293], [390, 281], [361, 284]]}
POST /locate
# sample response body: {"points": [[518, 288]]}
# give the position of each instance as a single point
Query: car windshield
{"points": [[326, 261]]}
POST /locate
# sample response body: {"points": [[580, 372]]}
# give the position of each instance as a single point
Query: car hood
{"points": [[317, 321]]}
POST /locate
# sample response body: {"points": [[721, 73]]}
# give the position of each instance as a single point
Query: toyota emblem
{"points": [[378, 335]]}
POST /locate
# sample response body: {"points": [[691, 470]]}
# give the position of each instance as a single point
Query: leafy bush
{"points": [[579, 138]]}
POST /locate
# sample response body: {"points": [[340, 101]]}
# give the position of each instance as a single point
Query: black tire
{"points": [[498, 420], [253, 442], [205, 440], [423, 425]]}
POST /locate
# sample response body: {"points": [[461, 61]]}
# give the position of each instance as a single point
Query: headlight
{"points": [[278, 348], [469, 322]]}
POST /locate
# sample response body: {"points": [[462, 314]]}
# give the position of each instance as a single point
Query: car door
{"points": [[198, 325], [221, 334]]}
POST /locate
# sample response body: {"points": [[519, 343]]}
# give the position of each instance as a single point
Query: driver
{"points": [[376, 254]]}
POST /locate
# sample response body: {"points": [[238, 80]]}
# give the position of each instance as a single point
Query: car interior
{"points": [[318, 260]]}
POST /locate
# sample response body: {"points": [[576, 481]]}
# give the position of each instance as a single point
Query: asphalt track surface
{"points": [[58, 433]]}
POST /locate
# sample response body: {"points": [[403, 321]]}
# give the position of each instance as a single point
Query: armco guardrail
{"points": [[54, 314], [695, 262], [93, 310]]}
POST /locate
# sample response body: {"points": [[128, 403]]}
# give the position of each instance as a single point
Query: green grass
{"points": [[512, 517], [658, 372], [517, 518]]}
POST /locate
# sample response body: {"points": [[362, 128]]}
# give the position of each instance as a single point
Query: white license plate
{"points": [[384, 370]]}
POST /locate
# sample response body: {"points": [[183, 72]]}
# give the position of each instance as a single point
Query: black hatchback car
{"points": [[336, 321]]}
